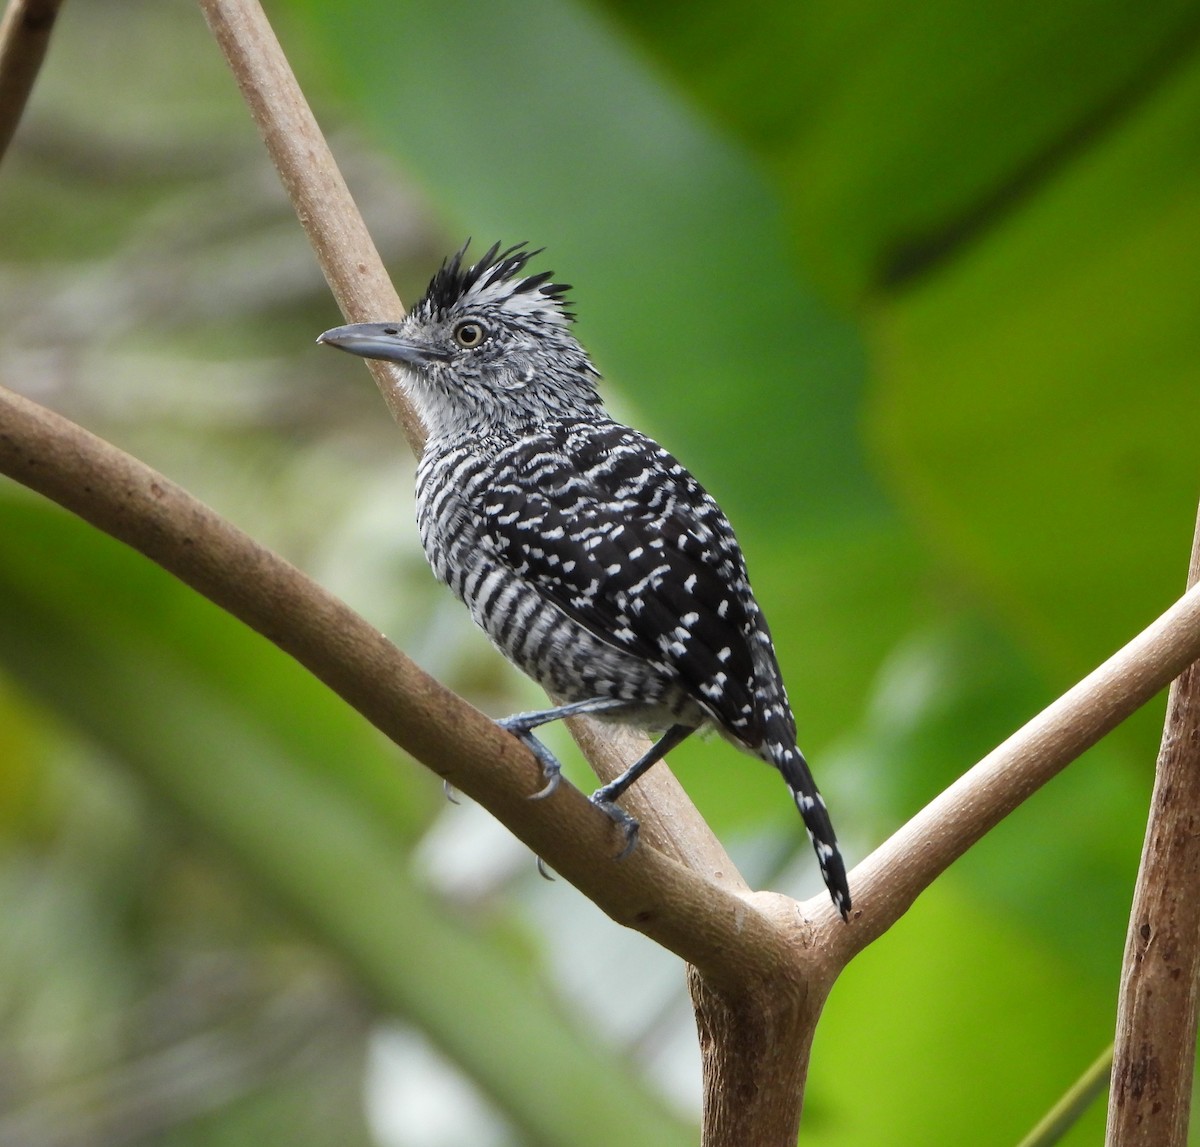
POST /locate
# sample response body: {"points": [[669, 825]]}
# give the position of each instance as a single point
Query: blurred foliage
{"points": [[909, 288]]}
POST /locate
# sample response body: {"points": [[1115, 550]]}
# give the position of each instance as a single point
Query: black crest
{"points": [[454, 280]]}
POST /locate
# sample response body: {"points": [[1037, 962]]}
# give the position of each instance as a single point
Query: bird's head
{"points": [[486, 347]]}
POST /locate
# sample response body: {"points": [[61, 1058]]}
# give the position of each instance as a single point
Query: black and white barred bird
{"points": [[587, 553]]}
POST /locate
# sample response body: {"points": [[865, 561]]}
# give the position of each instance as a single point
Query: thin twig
{"points": [[1155, 1054], [1077, 1099], [24, 37]]}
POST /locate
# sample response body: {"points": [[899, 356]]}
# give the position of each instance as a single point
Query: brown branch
{"points": [[24, 37], [1155, 1050], [695, 917], [891, 878]]}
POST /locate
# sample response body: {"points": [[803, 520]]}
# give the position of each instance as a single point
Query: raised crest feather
{"points": [[456, 279]]}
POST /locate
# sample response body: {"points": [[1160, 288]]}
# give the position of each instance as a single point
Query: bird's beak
{"points": [[379, 340]]}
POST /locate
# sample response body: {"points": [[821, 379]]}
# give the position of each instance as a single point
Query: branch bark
{"points": [[24, 37], [1155, 1050], [891, 878]]}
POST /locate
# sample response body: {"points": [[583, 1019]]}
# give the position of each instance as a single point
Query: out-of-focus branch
{"points": [[1155, 1050], [24, 37], [1071, 1106]]}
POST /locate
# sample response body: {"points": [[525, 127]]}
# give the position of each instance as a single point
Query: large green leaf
{"points": [[1011, 191], [1029, 1027], [1014, 189], [899, 133], [1037, 398]]}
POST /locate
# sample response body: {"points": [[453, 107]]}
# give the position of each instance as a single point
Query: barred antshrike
{"points": [[588, 554]]}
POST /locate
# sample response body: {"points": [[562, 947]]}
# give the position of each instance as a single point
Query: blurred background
{"points": [[912, 289]]}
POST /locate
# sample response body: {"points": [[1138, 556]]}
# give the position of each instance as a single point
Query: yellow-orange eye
{"points": [[470, 334]]}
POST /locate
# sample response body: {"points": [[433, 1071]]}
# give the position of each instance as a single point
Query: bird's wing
{"points": [[624, 540]]}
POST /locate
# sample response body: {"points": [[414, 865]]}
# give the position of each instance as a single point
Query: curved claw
{"points": [[450, 791], [543, 871], [553, 776], [551, 769], [624, 821]]}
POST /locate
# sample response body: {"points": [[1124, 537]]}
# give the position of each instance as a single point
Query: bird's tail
{"points": [[789, 760]]}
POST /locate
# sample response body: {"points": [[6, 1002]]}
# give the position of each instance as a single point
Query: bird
{"points": [[590, 556]]}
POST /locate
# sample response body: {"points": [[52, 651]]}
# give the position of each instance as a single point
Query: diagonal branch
{"points": [[24, 37], [311, 177], [704, 922], [891, 878]]}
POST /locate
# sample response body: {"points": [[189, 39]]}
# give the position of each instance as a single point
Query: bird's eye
{"points": [[470, 334]]}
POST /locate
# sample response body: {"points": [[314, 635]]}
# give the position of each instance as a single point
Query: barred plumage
{"points": [[592, 559]]}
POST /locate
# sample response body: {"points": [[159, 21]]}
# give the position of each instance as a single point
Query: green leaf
{"points": [[898, 133], [955, 1027], [1038, 407]]}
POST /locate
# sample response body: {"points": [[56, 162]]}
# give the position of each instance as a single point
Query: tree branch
{"points": [[313, 182], [768, 960], [891, 878], [24, 37], [693, 916], [1155, 1051]]}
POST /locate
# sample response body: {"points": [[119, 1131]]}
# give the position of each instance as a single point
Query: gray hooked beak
{"points": [[379, 340]]}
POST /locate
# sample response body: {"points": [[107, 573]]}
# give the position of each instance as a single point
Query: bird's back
{"points": [[601, 567]]}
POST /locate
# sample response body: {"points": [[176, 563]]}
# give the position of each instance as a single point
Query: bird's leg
{"points": [[520, 725], [605, 798]]}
